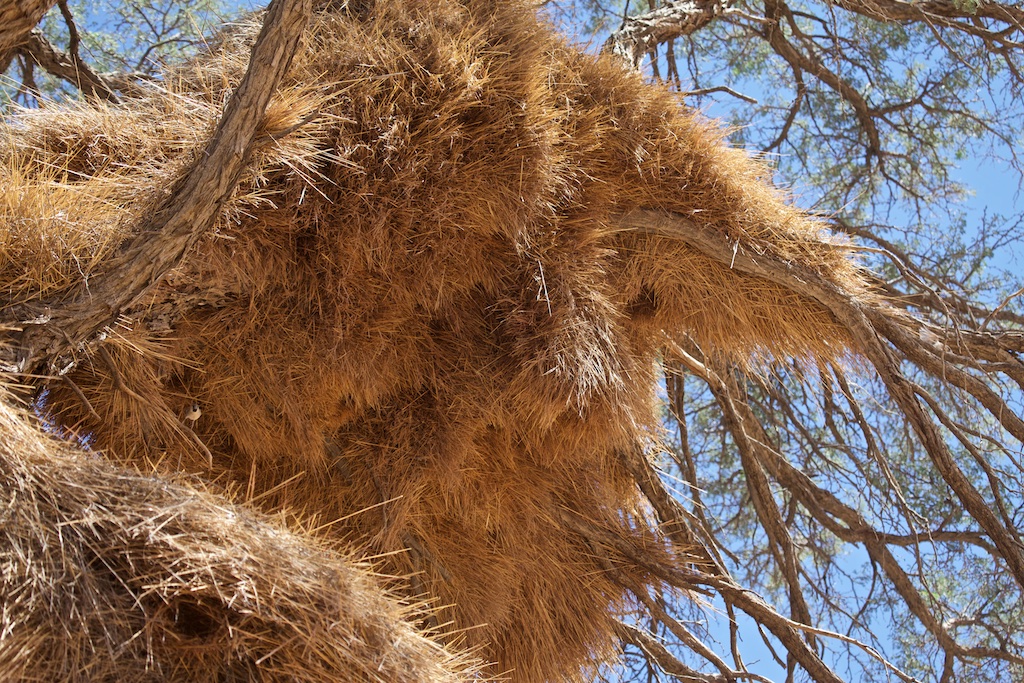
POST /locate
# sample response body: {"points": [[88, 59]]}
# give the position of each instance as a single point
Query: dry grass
{"points": [[107, 575], [421, 303]]}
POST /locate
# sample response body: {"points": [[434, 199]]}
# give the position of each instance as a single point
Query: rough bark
{"points": [[67, 67], [54, 329], [17, 19], [640, 34]]}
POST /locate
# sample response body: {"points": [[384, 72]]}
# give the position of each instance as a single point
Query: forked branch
{"points": [[885, 336]]}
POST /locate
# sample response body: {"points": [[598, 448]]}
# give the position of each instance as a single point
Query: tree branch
{"points": [[56, 328], [673, 522], [640, 34], [660, 655], [754, 445], [66, 66], [868, 324], [944, 13], [774, 11]]}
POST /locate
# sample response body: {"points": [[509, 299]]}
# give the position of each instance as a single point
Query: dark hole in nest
{"points": [[194, 619], [83, 155], [644, 305], [103, 571]]}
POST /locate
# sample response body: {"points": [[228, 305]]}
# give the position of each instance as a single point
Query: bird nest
{"points": [[428, 325]]}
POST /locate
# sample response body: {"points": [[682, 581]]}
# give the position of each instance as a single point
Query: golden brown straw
{"points": [[423, 301], [112, 576]]}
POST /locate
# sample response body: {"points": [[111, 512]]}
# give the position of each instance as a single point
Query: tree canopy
{"points": [[861, 517], [828, 502]]}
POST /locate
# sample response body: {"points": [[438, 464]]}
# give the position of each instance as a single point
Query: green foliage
{"points": [[139, 36], [133, 38]]}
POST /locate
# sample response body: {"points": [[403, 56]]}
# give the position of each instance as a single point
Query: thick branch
{"points": [[64, 66], [907, 11], [640, 34], [59, 327], [941, 12]]}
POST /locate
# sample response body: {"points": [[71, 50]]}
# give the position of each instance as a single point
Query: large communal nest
{"points": [[430, 318], [112, 576]]}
